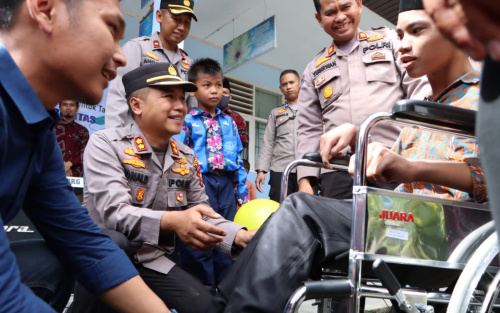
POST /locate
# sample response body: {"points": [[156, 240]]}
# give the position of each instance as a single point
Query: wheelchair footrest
{"points": [[327, 289]]}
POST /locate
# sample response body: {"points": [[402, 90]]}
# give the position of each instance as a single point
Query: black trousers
{"points": [[338, 185], [275, 184], [305, 234], [42, 272], [178, 289]]}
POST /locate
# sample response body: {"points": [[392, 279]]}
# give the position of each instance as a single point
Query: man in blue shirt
{"points": [[31, 165]]}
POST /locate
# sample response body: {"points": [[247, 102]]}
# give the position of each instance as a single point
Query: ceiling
{"points": [[389, 9], [300, 37]]}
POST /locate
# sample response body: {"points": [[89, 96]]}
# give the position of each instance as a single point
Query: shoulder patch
{"points": [[140, 194], [320, 81], [130, 151], [323, 60], [362, 35], [378, 56], [328, 92], [152, 56], [156, 44], [375, 38], [185, 64]]}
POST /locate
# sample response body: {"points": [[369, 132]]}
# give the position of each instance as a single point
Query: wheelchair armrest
{"points": [[328, 288], [315, 157], [436, 113]]}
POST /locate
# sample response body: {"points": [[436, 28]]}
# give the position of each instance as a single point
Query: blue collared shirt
{"points": [[217, 145], [33, 178]]}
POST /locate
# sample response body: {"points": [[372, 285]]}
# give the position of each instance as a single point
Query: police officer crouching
{"points": [[137, 177]]}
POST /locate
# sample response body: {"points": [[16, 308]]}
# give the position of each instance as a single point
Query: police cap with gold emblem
{"points": [[154, 75], [407, 5], [179, 7]]}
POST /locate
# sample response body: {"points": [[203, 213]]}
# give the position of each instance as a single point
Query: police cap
{"points": [[154, 75], [179, 7], [407, 5]]}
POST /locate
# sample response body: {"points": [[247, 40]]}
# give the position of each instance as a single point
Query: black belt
{"points": [[219, 172]]}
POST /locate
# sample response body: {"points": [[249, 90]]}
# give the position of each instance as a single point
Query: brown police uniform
{"points": [[340, 88], [279, 145], [140, 51], [279, 141], [128, 189]]}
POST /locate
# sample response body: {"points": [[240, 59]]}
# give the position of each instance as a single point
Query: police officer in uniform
{"points": [[357, 75], [174, 17], [279, 143], [137, 178]]}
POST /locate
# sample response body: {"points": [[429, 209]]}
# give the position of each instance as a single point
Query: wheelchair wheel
{"points": [[477, 288]]}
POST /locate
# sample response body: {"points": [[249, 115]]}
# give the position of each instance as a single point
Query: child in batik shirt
{"points": [[214, 137]]}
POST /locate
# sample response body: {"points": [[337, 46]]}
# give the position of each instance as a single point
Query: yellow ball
{"points": [[254, 213]]}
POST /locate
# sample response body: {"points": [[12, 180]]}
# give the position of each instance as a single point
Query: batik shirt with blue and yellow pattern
{"points": [[217, 146], [414, 143]]}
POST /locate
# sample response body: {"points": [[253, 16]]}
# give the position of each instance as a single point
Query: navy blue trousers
{"points": [[42, 272], [211, 266]]}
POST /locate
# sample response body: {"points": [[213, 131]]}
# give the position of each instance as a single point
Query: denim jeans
{"points": [[42, 272]]}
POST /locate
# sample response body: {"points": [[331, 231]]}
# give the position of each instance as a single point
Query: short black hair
{"points": [[10, 8], [317, 5], [226, 84], [246, 165], [204, 66], [289, 71], [77, 103]]}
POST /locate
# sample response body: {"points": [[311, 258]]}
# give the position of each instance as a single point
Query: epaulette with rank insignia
{"points": [[183, 53], [140, 144]]}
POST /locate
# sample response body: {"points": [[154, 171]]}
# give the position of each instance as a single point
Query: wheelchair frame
{"points": [[426, 115]]}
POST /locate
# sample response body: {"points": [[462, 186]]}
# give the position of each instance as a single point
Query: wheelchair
{"points": [[420, 253]]}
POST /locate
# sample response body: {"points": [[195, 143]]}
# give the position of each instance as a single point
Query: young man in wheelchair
{"points": [[308, 232]]}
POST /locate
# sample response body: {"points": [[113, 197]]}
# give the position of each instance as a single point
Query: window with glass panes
{"points": [[265, 101]]}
